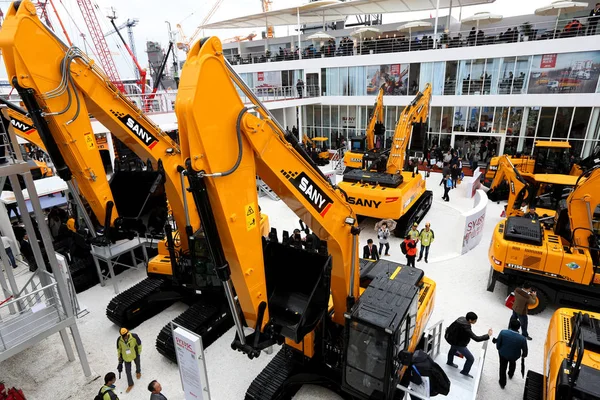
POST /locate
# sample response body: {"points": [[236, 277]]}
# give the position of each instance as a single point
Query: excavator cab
{"points": [[551, 157], [376, 334]]}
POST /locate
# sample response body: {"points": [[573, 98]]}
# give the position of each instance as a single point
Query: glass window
{"points": [[527, 146], [323, 81], [576, 146], [326, 122], [426, 75], [309, 119], [532, 119], [390, 118], [464, 77], [413, 78], [435, 118], [333, 82], [546, 120], [367, 352], [476, 85], [335, 117], [563, 121], [507, 71], [447, 118], [344, 119], [514, 121], [351, 121], [438, 78], [363, 118], [361, 78], [492, 70], [317, 120], [580, 122], [343, 71], [450, 77], [473, 119], [521, 75], [487, 119], [460, 119], [500, 119]]}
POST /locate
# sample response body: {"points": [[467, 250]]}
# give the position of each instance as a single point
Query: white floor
{"points": [[43, 372]]}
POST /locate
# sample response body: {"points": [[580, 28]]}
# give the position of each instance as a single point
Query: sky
{"points": [[153, 14]]}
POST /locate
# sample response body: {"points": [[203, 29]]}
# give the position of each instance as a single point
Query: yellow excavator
{"points": [[560, 258], [549, 157], [381, 189], [317, 145], [571, 359], [534, 190], [364, 147], [334, 332], [60, 94]]}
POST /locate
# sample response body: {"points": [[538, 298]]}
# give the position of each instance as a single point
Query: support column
{"points": [[435, 28], [80, 350], [300, 124], [64, 335], [523, 131], [589, 144]]}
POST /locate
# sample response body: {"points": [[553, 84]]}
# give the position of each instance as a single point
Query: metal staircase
{"points": [[266, 190], [337, 160]]}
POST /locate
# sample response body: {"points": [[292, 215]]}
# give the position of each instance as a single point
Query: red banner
{"points": [[260, 76], [548, 61]]}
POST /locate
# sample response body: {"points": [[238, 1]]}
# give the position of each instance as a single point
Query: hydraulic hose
{"points": [[238, 131]]}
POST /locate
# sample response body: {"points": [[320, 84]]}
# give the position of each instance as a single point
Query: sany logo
{"points": [[311, 192], [146, 137], [364, 202], [21, 126]]}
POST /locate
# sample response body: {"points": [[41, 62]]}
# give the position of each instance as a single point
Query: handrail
{"points": [[400, 42]]}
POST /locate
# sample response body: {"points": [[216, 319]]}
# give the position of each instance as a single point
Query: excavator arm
{"points": [[519, 188], [60, 87], [22, 124], [582, 203], [376, 121], [227, 152], [416, 112]]}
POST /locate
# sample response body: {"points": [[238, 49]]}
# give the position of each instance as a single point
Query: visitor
{"points": [[383, 233], [511, 346], [458, 335], [370, 251], [6, 242], [426, 238], [414, 231], [593, 20], [409, 248], [155, 388], [524, 297], [107, 391], [447, 187], [129, 348]]}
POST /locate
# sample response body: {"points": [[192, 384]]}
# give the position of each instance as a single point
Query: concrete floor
{"points": [[43, 371]]}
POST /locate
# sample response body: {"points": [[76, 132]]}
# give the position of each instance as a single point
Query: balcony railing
{"points": [[392, 42], [277, 93]]}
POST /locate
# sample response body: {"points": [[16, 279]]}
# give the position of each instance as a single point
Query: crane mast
{"points": [[106, 60]]}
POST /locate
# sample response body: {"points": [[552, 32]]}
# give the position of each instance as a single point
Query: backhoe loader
{"points": [[381, 188], [560, 258], [336, 333], [549, 157], [542, 191], [60, 93], [571, 359], [364, 147]]}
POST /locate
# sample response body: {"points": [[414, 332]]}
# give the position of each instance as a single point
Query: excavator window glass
{"points": [[366, 358], [562, 224], [551, 160]]}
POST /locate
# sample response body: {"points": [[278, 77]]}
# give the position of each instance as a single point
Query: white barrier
{"points": [[473, 222], [472, 183]]}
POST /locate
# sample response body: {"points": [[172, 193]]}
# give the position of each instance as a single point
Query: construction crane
{"points": [[266, 7], [129, 24], [185, 43], [104, 55], [42, 13]]}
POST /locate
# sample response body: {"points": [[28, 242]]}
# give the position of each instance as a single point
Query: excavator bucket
{"points": [[298, 285]]}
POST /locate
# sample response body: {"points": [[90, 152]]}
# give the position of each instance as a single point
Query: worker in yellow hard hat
{"points": [[129, 348]]}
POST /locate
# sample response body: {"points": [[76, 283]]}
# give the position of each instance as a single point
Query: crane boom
{"points": [[106, 60]]}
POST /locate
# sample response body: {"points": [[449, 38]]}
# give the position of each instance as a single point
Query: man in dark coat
{"points": [[511, 346], [460, 340]]}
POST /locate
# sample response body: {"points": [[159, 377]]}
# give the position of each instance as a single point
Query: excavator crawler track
{"points": [[209, 318], [131, 307], [534, 386], [269, 384], [415, 214]]}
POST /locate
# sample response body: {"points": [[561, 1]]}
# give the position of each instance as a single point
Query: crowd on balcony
{"points": [[387, 44]]}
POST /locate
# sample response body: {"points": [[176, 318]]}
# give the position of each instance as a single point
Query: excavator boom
{"points": [[519, 189], [62, 91], [416, 112], [376, 119]]}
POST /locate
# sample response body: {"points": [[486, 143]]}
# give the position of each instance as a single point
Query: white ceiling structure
{"points": [[321, 11]]}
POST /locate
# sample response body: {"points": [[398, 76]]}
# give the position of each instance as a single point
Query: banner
{"points": [[548, 61], [190, 360], [474, 221], [472, 183], [564, 73], [268, 79], [394, 77]]}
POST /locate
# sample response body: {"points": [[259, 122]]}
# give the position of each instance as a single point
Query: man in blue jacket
{"points": [[511, 346]]}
